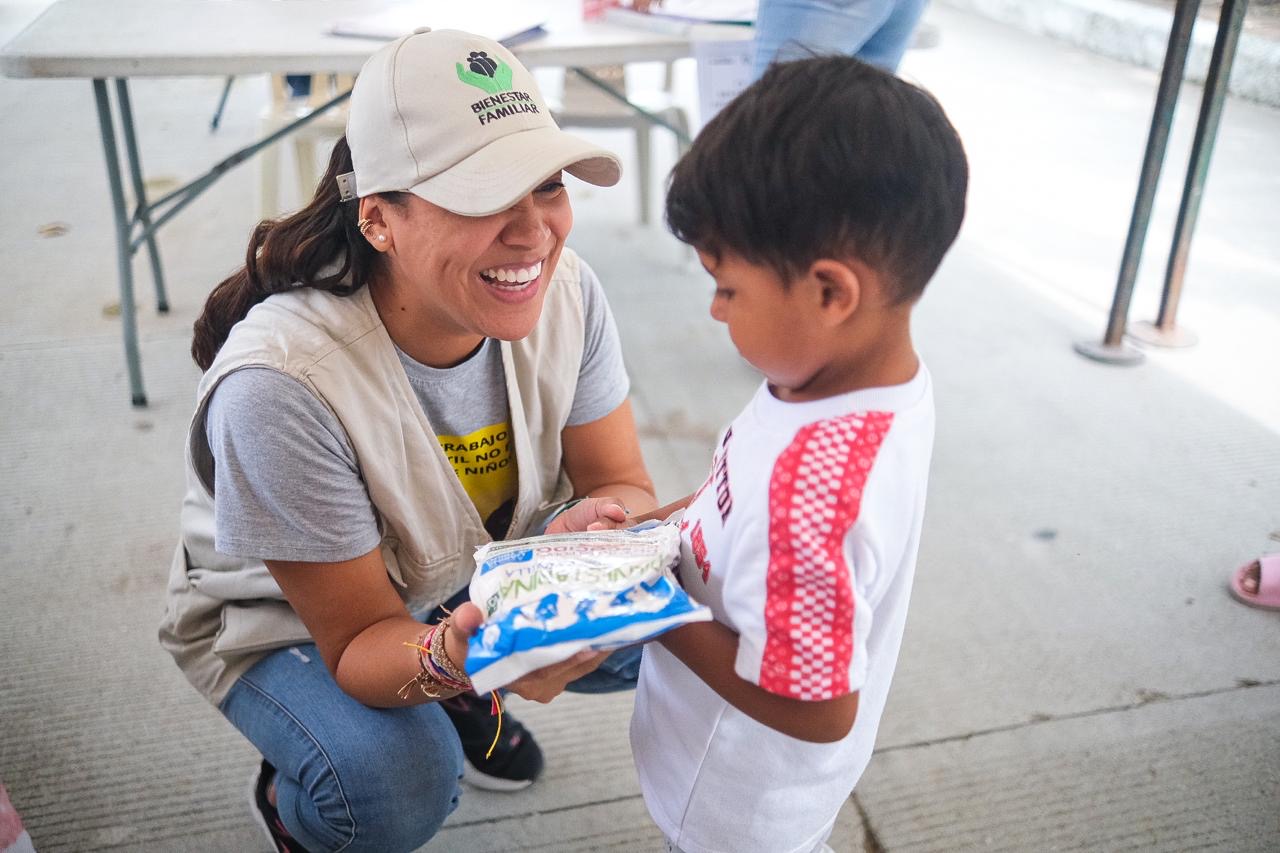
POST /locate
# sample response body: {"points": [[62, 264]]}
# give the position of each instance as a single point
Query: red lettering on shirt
{"points": [[699, 545]]}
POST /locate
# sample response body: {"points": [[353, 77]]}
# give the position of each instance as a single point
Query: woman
{"points": [[432, 369]]}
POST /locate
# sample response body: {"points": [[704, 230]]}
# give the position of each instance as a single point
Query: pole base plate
{"points": [[1119, 354], [1173, 338]]}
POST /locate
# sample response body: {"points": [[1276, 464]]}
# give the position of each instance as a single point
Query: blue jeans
{"points": [[875, 31], [354, 778]]}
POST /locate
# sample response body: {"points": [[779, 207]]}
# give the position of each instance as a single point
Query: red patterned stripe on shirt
{"points": [[815, 494]]}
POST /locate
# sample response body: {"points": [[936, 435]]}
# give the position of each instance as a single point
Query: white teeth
{"points": [[516, 276]]}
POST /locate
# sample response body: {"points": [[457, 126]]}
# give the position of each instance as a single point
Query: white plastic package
{"points": [[546, 598]]}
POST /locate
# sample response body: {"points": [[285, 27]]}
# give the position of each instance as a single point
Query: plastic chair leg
{"points": [[269, 178], [642, 172], [681, 120], [304, 150]]}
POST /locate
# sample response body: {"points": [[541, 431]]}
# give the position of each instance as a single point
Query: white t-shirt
{"points": [[803, 541]]}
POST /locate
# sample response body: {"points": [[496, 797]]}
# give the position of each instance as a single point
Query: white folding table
{"points": [[114, 41]]}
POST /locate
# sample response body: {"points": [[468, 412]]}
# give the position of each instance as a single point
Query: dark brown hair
{"points": [[826, 157], [319, 246]]}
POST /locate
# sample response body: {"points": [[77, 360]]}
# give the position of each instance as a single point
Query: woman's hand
{"points": [[590, 514], [543, 685], [465, 620]]}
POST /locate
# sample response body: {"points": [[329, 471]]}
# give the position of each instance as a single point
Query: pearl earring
{"points": [[382, 238]]}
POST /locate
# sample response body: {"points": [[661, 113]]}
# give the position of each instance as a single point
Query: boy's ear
{"points": [[838, 285]]}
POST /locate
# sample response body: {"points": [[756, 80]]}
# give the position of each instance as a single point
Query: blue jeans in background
{"points": [[354, 778], [875, 31]]}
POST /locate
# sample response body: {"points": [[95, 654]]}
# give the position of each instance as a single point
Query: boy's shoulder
{"points": [[828, 464], [872, 448]]}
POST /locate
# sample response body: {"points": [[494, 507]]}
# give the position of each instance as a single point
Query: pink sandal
{"points": [[1268, 595]]}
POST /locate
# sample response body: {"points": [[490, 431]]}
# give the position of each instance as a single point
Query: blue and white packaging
{"points": [[546, 598]]}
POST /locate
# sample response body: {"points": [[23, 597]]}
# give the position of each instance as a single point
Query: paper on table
{"points": [[706, 11], [724, 70], [506, 21]]}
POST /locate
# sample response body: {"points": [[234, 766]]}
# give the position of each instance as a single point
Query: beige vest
{"points": [[224, 612]]}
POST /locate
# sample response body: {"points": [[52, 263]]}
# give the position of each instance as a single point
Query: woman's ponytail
{"points": [[319, 246]]}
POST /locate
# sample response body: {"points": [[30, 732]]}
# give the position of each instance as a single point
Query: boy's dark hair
{"points": [[826, 157]]}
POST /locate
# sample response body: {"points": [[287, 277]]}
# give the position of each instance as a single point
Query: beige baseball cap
{"points": [[457, 120]]}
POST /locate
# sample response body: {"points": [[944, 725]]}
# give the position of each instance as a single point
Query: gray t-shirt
{"points": [[286, 482]]}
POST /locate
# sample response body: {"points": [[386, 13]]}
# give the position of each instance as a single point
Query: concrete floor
{"points": [[1074, 675]]}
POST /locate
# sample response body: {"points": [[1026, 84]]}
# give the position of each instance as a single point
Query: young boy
{"points": [[821, 201]]}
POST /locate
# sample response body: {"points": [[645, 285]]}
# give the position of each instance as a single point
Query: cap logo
{"points": [[486, 74]]}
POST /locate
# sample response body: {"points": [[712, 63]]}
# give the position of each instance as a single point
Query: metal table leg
{"points": [[149, 216], [1112, 349], [143, 212], [1165, 330], [222, 104], [124, 254]]}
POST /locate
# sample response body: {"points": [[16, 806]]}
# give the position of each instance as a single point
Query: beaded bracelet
{"points": [[438, 673], [439, 662], [428, 685]]}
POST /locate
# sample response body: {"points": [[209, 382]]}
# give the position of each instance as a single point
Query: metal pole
{"points": [[143, 214], [1165, 330], [124, 257], [222, 104], [184, 195], [1112, 349]]}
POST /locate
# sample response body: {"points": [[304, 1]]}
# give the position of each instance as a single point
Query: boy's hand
{"points": [[590, 514], [662, 513]]}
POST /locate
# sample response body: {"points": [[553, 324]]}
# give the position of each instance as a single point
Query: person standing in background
{"points": [[875, 31]]}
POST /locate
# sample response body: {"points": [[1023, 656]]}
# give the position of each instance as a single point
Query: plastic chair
{"points": [[583, 105], [290, 102]]}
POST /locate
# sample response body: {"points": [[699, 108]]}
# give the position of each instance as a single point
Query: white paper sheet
{"points": [[706, 11], [506, 21], [724, 70]]}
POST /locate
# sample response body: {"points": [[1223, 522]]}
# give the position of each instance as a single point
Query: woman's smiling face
{"points": [[462, 278]]}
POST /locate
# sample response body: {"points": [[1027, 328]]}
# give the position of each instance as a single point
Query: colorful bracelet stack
{"points": [[438, 662], [438, 673]]}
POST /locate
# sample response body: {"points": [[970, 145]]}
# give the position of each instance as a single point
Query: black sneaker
{"points": [[266, 815], [515, 762]]}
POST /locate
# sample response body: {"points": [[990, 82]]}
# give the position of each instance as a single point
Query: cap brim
{"points": [[507, 169]]}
